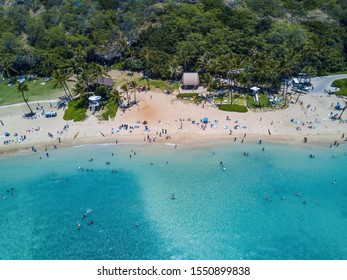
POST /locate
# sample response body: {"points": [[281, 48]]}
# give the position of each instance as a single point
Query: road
{"points": [[324, 83]]}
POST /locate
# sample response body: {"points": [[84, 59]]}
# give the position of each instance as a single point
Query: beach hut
{"points": [[190, 81], [104, 81]]}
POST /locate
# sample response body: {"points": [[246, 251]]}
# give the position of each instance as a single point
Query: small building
{"points": [[190, 81], [255, 90], [104, 81], [94, 103]]}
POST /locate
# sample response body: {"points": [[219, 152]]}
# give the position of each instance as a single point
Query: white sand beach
{"points": [[174, 121]]}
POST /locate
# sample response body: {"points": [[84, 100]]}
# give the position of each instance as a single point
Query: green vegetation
{"points": [[191, 96], [111, 110], [342, 85], [233, 108], [76, 110], [36, 91], [250, 42], [187, 95], [263, 101]]}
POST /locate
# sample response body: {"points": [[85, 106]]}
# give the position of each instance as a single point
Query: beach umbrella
{"points": [[205, 120]]}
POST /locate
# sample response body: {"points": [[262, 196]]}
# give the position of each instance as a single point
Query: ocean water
{"points": [[219, 210]]}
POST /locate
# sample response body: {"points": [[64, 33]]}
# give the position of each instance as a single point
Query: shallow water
{"points": [[217, 214]]}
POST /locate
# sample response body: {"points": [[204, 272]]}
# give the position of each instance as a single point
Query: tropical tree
{"points": [[85, 77], [60, 78], [207, 79], [125, 90], [343, 110], [98, 72], [6, 68], [133, 86], [26, 58], [22, 88], [78, 88], [46, 64], [146, 55]]}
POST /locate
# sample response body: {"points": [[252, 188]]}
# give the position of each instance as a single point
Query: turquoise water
{"points": [[217, 214]]}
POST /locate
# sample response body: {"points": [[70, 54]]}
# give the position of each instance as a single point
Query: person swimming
{"points": [[78, 226]]}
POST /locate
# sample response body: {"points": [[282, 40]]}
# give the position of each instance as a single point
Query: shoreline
{"points": [[186, 141], [161, 118]]}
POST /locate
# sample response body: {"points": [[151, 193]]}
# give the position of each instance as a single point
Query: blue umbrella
{"points": [[205, 120]]}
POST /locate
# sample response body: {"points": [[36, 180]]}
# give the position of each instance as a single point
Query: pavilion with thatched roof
{"points": [[190, 81]]}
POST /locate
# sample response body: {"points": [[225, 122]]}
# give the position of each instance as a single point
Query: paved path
{"points": [[324, 83]]}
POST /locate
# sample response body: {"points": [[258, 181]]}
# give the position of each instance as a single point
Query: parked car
{"points": [[50, 114]]}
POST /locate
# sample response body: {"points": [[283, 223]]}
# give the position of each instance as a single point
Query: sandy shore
{"points": [[169, 120]]}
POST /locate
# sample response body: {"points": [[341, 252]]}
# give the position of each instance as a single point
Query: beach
{"points": [[159, 181], [162, 118]]}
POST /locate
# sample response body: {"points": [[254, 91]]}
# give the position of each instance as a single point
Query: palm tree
{"points": [[288, 66], [174, 68], [207, 79], [343, 110], [125, 89], [205, 64], [60, 79], [6, 68], [78, 88], [133, 86], [46, 64], [23, 87], [27, 58], [98, 72], [79, 55], [148, 85], [85, 77], [146, 54]]}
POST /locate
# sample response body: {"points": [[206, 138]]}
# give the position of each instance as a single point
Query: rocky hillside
{"points": [[153, 35]]}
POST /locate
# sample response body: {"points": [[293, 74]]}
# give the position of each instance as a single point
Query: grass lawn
{"points": [[10, 95], [158, 84], [339, 73], [263, 101], [342, 85], [76, 110]]}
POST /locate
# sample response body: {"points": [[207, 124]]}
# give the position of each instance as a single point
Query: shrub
{"points": [[188, 95], [263, 101], [342, 91], [111, 110], [76, 110], [340, 83], [233, 108]]}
